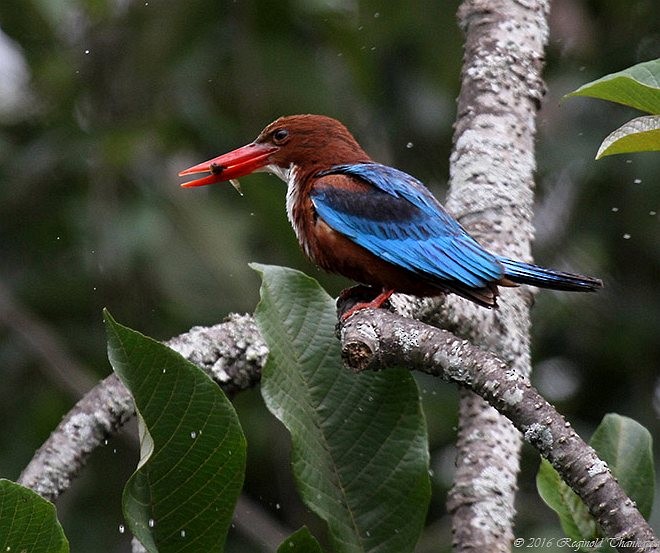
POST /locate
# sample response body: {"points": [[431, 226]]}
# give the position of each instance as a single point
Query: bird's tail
{"points": [[526, 273]]}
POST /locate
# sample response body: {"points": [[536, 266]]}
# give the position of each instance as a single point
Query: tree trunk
{"points": [[491, 193]]}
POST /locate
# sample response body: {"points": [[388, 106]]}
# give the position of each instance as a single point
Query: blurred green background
{"points": [[102, 102]]}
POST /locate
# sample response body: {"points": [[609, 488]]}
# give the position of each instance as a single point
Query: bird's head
{"points": [[295, 142]]}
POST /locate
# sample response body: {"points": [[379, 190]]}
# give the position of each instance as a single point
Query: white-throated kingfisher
{"points": [[372, 223]]}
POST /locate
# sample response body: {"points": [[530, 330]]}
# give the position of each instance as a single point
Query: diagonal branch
{"points": [[374, 340], [232, 353]]}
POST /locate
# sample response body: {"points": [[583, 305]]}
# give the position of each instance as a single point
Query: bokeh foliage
{"points": [[102, 102]]}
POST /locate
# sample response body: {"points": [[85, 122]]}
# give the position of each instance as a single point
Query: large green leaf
{"points": [[637, 87], [28, 522], [639, 135], [360, 452], [626, 447], [192, 463]]}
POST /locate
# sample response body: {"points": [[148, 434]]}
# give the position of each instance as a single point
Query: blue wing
{"points": [[400, 221]]}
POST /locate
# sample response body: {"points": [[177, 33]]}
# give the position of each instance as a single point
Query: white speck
{"points": [[629, 161], [278, 506], [615, 209], [57, 238], [164, 371], [637, 181], [193, 434], [114, 450], [183, 533], [626, 236], [105, 442], [376, 15], [122, 529], [653, 213], [86, 52], [151, 523], [409, 145]]}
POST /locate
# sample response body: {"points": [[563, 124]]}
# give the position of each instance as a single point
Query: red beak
{"points": [[232, 165]]}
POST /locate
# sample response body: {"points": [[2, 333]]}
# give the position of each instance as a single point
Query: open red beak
{"points": [[232, 165]]}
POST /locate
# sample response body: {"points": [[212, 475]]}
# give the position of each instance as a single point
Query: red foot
{"points": [[375, 303]]}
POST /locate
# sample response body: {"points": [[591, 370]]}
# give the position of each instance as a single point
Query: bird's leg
{"points": [[375, 303]]}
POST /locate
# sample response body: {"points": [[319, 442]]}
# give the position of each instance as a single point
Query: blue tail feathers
{"points": [[526, 273]]}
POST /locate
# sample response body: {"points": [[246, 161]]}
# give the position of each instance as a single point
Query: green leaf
{"points": [[639, 135], [637, 87], [28, 522], [576, 521], [301, 541], [626, 446], [360, 452], [192, 463]]}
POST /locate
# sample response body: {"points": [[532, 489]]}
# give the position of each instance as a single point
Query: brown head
{"points": [[306, 143]]}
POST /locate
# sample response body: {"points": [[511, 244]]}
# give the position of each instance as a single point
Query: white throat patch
{"points": [[290, 176]]}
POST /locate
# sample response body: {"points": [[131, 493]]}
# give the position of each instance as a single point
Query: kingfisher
{"points": [[373, 223]]}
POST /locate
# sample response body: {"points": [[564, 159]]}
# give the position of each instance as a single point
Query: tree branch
{"points": [[232, 353], [377, 339]]}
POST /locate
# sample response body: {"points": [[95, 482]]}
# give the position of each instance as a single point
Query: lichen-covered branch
{"points": [[374, 340], [232, 353]]}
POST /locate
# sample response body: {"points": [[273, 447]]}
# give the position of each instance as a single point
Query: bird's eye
{"points": [[280, 135]]}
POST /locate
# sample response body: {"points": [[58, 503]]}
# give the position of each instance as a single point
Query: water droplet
{"points": [[193, 434], [122, 529], [164, 371], [626, 236], [86, 52], [409, 145], [183, 533], [151, 523]]}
